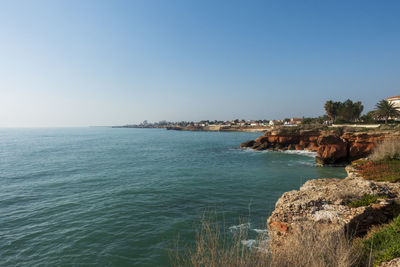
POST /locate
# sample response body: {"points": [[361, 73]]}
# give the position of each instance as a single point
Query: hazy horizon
{"points": [[102, 63]]}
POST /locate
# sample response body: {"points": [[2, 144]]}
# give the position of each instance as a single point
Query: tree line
{"points": [[349, 111]]}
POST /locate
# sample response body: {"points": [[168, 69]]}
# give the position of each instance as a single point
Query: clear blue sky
{"points": [[79, 63]]}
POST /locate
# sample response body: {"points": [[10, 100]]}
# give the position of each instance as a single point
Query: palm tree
{"points": [[386, 110]]}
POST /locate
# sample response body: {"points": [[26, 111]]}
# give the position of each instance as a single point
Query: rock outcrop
{"points": [[332, 146], [323, 204]]}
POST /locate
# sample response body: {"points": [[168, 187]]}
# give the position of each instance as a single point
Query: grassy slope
{"points": [[383, 244]]}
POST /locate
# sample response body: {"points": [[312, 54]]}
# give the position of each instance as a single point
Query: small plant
{"points": [[366, 200]]}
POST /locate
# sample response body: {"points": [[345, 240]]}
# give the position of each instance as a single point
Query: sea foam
{"points": [[239, 227], [301, 152]]}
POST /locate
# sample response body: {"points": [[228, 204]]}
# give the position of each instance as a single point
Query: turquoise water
{"points": [[120, 197]]}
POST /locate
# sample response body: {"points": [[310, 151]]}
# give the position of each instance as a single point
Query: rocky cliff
{"points": [[324, 204], [332, 146]]}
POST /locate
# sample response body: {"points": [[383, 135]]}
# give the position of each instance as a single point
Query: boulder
{"points": [[332, 154], [249, 143]]}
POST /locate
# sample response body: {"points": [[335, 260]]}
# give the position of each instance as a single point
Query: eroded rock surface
{"points": [[323, 204]]}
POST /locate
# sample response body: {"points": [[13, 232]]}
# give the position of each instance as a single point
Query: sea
{"points": [[102, 196]]}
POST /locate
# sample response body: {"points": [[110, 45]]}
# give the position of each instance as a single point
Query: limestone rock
{"points": [[322, 203]]}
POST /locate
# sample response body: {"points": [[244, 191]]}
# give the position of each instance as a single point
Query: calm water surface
{"points": [[120, 197]]}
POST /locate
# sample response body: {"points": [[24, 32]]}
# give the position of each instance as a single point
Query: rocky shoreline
{"points": [[333, 147], [322, 206]]}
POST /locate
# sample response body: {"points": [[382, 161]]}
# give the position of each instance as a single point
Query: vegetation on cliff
{"points": [[381, 244], [366, 200], [382, 170], [383, 164]]}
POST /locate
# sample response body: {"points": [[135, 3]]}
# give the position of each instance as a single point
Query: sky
{"points": [[93, 62]]}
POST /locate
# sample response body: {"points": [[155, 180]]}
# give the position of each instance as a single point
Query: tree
{"points": [[386, 110], [369, 117], [331, 109], [357, 110], [344, 111]]}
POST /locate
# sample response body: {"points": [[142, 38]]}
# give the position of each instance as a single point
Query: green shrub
{"points": [[366, 200]]}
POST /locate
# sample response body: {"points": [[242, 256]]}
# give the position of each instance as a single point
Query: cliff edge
{"points": [[333, 147]]}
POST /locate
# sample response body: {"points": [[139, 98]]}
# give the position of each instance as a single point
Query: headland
{"points": [[334, 146]]}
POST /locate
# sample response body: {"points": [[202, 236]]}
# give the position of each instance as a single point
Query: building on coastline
{"points": [[293, 121], [276, 122], [296, 120], [395, 100]]}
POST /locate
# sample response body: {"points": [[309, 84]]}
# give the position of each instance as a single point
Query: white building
{"points": [[395, 100]]}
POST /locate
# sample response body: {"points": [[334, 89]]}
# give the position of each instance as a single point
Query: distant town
{"points": [[214, 123], [335, 113]]}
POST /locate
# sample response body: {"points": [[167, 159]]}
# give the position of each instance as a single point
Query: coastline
{"points": [[335, 147], [354, 210]]}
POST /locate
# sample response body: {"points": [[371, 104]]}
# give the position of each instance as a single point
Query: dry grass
{"points": [[215, 247], [305, 248], [314, 247], [387, 150]]}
